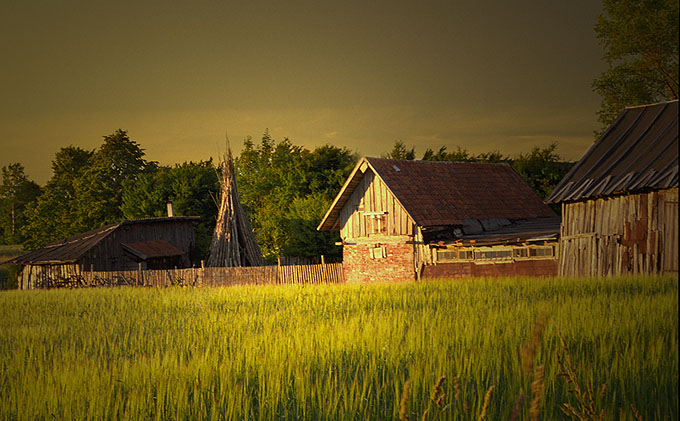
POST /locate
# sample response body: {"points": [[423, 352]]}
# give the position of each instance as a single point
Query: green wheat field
{"points": [[374, 351]]}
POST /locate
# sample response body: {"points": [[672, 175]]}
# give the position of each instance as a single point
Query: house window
{"points": [[378, 252], [455, 254], [376, 222], [493, 254], [545, 251]]}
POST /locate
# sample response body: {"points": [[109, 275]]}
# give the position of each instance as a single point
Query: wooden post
{"points": [[323, 260], [139, 274]]}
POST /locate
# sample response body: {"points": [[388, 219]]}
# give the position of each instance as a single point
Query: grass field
{"points": [[341, 351]]}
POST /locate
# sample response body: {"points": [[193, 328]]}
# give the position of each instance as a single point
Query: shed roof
{"points": [[446, 193], [71, 249], [152, 249], [639, 152]]}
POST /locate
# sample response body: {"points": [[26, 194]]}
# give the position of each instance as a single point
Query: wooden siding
{"points": [[109, 254], [372, 195], [631, 234]]}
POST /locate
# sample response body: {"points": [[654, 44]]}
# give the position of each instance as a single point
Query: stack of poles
{"points": [[233, 242]]}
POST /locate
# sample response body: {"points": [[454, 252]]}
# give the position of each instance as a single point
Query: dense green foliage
{"points": [[336, 351], [286, 190], [85, 191], [192, 187], [641, 50], [16, 193]]}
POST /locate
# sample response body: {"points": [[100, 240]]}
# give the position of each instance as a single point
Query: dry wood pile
{"points": [[233, 243]]}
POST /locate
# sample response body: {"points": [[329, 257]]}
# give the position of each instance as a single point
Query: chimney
{"points": [[171, 209]]}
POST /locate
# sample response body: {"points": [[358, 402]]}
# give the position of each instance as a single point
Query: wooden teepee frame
{"points": [[233, 242]]}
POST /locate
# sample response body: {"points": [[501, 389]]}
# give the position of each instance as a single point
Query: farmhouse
{"points": [[416, 219], [153, 243], [620, 201]]}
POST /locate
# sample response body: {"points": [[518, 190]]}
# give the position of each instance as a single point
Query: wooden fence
{"points": [[330, 273]]}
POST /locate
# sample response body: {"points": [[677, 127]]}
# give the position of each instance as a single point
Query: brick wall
{"points": [[397, 265], [470, 269]]}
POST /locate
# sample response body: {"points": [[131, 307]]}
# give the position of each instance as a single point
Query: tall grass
{"points": [[337, 352]]}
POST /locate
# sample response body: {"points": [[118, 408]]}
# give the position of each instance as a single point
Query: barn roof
{"points": [[446, 193], [639, 152], [71, 249]]}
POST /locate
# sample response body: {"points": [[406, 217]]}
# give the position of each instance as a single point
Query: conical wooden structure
{"points": [[233, 243]]}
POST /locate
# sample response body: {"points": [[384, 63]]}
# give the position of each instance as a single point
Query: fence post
{"points": [[139, 274], [323, 260]]}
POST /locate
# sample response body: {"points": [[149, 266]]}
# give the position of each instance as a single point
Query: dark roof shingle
{"points": [[447, 193]]}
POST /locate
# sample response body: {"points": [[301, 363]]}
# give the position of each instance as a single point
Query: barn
{"points": [[620, 201], [401, 220], [152, 243]]}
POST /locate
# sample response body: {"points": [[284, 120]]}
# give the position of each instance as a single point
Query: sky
{"points": [[483, 75]]}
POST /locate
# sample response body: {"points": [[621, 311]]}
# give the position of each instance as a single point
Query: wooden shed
{"points": [[402, 220], [153, 243], [620, 201]]}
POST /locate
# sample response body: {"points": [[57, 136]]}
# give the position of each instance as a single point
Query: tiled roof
{"points": [[638, 152], [447, 193], [73, 248]]}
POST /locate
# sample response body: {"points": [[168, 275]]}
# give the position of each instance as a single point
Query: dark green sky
{"points": [[483, 75]]}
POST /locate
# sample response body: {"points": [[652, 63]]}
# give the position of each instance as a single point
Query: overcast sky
{"points": [[483, 75]]}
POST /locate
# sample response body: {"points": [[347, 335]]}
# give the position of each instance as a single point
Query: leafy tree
{"points": [[641, 42], [399, 151], [283, 188], [542, 169], [99, 190], [191, 186], [16, 193], [53, 215]]}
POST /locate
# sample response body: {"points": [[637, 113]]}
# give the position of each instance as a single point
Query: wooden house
{"points": [[620, 201], [402, 220], [153, 243]]}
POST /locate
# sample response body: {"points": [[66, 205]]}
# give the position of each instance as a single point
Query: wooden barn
{"points": [[402, 220], [620, 201], [153, 243]]}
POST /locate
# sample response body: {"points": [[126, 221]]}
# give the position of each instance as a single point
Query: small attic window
{"points": [[396, 168]]}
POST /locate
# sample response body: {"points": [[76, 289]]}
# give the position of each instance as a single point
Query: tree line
{"points": [[285, 190]]}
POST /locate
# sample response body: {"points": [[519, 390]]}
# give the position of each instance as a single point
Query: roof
{"points": [[154, 248], [639, 152], [71, 249], [446, 193], [518, 231]]}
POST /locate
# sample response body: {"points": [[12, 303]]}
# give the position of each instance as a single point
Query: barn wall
{"points": [[632, 234], [379, 258], [372, 195], [538, 268], [109, 255]]}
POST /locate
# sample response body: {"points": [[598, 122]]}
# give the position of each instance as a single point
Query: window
{"points": [[493, 254], [376, 222], [378, 252], [548, 251], [454, 254]]}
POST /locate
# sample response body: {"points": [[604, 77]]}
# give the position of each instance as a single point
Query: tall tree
{"points": [[542, 169], [191, 186], [285, 190], [53, 215], [641, 49], [16, 193], [400, 151], [99, 190]]}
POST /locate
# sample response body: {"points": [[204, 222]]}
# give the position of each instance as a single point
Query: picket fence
{"points": [[329, 273]]}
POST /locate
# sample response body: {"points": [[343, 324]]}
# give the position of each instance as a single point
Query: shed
{"points": [[152, 243], [620, 201], [413, 219]]}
